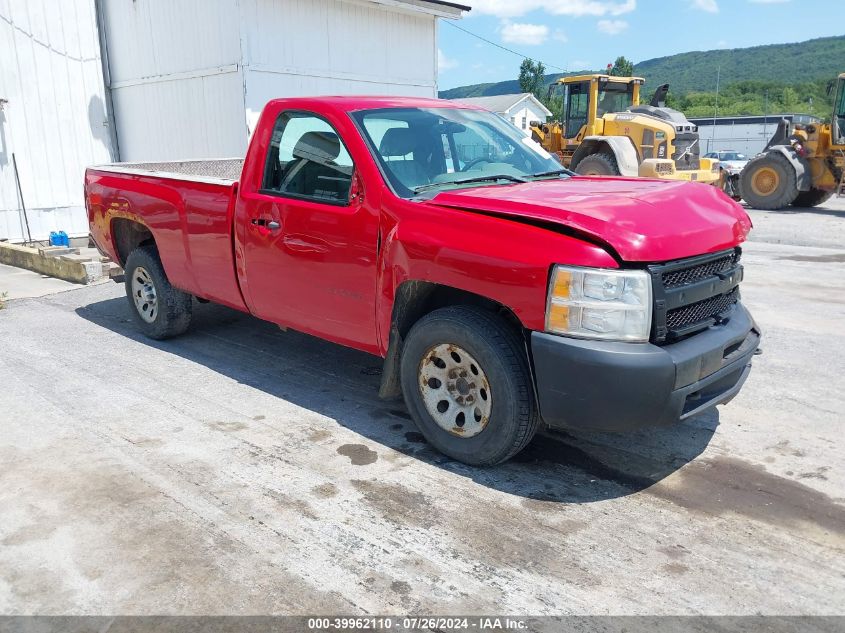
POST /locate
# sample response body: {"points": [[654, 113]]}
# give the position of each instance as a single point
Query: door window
{"points": [[576, 108], [307, 160]]}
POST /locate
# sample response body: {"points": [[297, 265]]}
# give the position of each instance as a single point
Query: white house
{"points": [[519, 109], [90, 81]]}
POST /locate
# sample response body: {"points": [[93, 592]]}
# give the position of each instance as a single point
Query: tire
{"points": [[599, 164], [812, 198], [167, 311], [769, 182], [500, 413]]}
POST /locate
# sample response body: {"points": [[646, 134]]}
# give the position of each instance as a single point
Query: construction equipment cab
{"points": [[605, 131]]}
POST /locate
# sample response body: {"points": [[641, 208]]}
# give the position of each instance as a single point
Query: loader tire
{"points": [[599, 164], [769, 182], [812, 198], [160, 310]]}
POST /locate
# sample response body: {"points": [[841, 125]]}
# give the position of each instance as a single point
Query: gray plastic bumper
{"points": [[610, 386]]}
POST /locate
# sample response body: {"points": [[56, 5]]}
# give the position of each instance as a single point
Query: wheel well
{"points": [[129, 235], [590, 147], [415, 299]]}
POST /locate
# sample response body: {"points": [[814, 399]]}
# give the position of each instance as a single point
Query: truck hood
{"points": [[642, 220]]}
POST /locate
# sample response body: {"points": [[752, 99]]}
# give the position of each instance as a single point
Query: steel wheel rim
{"points": [[144, 294], [765, 181], [455, 390]]}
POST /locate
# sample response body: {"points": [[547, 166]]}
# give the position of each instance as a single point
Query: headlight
{"points": [[602, 304]]}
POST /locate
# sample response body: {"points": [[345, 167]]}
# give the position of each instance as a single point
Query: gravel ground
{"points": [[244, 470]]}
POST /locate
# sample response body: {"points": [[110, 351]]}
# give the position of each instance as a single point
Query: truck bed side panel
{"points": [[191, 222]]}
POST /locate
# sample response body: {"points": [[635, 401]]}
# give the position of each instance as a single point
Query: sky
{"points": [[570, 35]]}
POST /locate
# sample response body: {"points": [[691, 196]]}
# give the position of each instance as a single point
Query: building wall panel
{"points": [[54, 121], [194, 117]]}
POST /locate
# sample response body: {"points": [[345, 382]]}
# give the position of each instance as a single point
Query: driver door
{"points": [[310, 237]]}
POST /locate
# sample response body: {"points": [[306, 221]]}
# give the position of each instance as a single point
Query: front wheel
{"points": [[600, 164], [769, 182], [467, 384], [160, 310]]}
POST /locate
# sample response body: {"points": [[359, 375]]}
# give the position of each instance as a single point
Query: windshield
{"points": [[614, 97], [732, 156], [430, 149]]}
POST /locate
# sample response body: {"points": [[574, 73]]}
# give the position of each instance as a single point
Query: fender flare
{"points": [[621, 147], [803, 177]]}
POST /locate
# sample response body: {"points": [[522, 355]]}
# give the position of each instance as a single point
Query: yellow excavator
{"points": [[802, 166], [605, 131]]}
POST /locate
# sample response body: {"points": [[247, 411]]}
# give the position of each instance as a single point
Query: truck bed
{"points": [[188, 205], [224, 171]]}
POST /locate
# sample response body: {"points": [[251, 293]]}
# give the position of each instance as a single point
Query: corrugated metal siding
{"points": [[55, 121], [199, 117], [314, 47], [148, 39], [187, 77], [176, 82]]}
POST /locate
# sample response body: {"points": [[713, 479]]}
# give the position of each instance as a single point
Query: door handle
{"points": [[268, 224]]}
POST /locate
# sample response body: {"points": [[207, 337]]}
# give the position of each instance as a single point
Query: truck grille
{"points": [[693, 294], [700, 311], [690, 160], [686, 276]]}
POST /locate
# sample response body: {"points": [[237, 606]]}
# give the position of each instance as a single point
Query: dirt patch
{"points": [[397, 503], [674, 551], [292, 504], [318, 435], [358, 454], [226, 427], [728, 485], [400, 587], [324, 491], [837, 258], [675, 569]]}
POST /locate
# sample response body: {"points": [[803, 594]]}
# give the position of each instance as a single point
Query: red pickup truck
{"points": [[501, 291]]}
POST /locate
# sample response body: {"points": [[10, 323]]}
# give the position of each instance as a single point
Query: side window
{"points": [[307, 159], [576, 110]]}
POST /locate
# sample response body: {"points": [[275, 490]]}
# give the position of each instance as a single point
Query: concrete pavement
{"points": [[244, 470]]}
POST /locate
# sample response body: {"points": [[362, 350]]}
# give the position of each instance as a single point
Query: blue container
{"points": [[64, 239], [55, 240]]}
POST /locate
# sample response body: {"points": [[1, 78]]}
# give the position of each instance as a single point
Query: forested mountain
{"points": [[772, 78]]}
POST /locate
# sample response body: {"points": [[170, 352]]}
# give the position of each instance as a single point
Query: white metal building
{"points": [[519, 109], [53, 115], [745, 134], [170, 79], [191, 80]]}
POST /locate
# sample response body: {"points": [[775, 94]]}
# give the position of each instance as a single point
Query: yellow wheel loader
{"points": [[802, 166], [605, 131]]}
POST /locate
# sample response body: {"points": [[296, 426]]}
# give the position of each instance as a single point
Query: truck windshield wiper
{"points": [[468, 181], [553, 172]]}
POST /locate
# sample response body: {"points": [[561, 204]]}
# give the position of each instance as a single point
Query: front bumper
{"points": [[613, 386]]}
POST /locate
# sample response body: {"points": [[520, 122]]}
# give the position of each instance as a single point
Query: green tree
{"points": [[532, 77], [622, 67]]}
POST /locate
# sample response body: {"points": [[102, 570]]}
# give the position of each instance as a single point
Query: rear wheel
{"points": [[811, 198], [466, 382], [160, 310], [600, 164], [769, 182]]}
